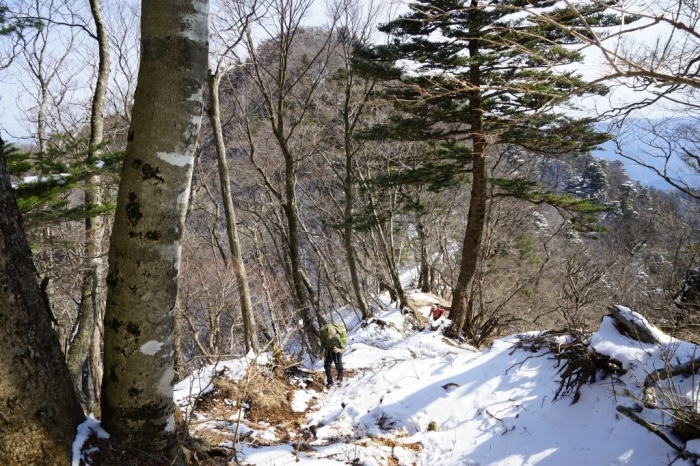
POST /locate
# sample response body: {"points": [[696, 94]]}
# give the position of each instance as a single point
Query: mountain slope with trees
{"points": [[344, 171]]}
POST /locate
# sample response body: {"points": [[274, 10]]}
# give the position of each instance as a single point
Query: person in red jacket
{"points": [[436, 312]]}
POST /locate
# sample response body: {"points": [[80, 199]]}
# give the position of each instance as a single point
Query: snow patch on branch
{"points": [[151, 347]]}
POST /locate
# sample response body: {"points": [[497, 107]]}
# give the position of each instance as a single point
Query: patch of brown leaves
{"points": [[266, 394], [392, 443]]}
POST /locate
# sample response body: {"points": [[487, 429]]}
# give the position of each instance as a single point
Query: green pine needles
{"points": [[46, 185], [500, 71]]}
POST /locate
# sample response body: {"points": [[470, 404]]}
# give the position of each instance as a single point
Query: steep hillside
{"points": [[414, 398]]}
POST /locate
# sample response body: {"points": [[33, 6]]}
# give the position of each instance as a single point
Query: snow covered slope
{"points": [[418, 399], [415, 398]]}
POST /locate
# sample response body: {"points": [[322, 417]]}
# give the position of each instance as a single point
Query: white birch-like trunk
{"points": [[90, 309], [249, 325], [144, 255]]}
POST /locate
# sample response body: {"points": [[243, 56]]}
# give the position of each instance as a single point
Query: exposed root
{"points": [[580, 364]]}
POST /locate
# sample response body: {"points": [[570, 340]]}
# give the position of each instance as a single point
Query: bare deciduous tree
{"points": [[287, 88], [228, 32]]}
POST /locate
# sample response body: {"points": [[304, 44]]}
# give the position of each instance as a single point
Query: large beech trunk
{"points": [[144, 255], [39, 410]]}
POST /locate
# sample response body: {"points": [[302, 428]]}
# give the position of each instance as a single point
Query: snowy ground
{"points": [[490, 408], [493, 407]]}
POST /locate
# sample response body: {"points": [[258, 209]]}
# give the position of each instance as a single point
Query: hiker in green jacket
{"points": [[333, 339]]}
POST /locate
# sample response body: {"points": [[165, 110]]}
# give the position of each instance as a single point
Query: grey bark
{"points": [[249, 327], [40, 410], [180, 372], [90, 309], [350, 120], [95, 360], [144, 255]]}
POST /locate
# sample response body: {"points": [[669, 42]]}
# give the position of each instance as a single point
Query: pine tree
{"points": [[596, 180], [47, 181], [481, 74]]}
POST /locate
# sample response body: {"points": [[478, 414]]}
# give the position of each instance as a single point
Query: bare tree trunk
{"points": [[40, 410], [424, 266], [261, 268], [349, 210], [180, 372], [276, 81], [357, 22], [387, 253], [394, 274], [41, 120], [250, 332], [302, 302], [144, 255], [96, 362], [90, 308]]}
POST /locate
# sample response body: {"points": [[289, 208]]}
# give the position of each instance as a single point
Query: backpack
{"points": [[330, 331], [340, 331]]}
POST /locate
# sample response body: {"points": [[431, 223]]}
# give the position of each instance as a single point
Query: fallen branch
{"points": [[633, 325], [580, 364], [506, 429], [689, 368], [520, 364], [627, 411]]}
